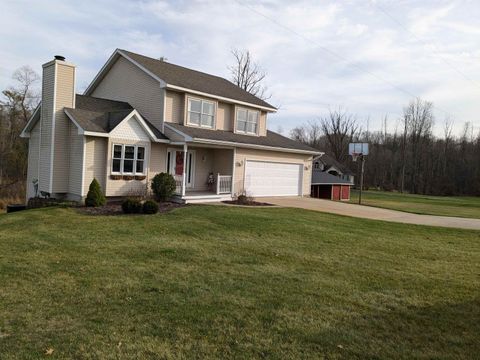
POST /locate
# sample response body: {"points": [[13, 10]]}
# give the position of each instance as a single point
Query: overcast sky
{"points": [[369, 57]]}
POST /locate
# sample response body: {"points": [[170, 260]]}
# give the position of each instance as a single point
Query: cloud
{"points": [[318, 54]]}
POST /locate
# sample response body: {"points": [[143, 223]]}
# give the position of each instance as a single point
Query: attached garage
{"points": [[264, 178], [327, 186]]}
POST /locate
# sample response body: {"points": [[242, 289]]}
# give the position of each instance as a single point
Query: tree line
{"points": [[410, 159], [17, 104]]}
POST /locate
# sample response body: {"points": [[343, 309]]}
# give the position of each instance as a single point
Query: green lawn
{"points": [[226, 282], [461, 206]]}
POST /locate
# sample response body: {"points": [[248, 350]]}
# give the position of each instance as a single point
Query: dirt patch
{"points": [[248, 203], [115, 208]]}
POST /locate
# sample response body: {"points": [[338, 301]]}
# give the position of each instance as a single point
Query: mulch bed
{"points": [[115, 208], [250, 203]]}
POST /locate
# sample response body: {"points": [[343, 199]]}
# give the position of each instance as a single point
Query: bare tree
{"points": [[339, 128], [248, 75]]}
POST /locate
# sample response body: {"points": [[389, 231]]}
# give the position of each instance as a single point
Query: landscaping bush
{"points": [[244, 199], [95, 196], [131, 206], [150, 207], [163, 186]]}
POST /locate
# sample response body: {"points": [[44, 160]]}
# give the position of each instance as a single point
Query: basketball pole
{"points": [[361, 180]]}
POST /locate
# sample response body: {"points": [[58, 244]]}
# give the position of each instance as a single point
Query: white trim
{"points": [[134, 159], [94, 133], [331, 183], [234, 165], [179, 88], [187, 137], [164, 108], [235, 121], [52, 144], [199, 125], [162, 82], [25, 133], [253, 146], [82, 189], [185, 149], [70, 116]]}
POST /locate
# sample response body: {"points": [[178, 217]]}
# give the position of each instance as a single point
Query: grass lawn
{"points": [[226, 282], [461, 206]]}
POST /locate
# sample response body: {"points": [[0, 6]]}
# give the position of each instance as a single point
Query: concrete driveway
{"points": [[369, 212]]}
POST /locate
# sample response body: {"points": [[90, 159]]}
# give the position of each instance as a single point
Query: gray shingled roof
{"points": [[102, 115], [272, 139], [330, 161], [322, 177], [195, 80]]}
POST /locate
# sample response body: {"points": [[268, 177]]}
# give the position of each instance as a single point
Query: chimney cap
{"points": [[59, 57]]}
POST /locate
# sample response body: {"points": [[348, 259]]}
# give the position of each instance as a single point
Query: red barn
{"points": [[327, 186]]}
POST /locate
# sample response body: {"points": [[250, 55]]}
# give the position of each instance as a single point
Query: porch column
{"points": [[234, 151], [185, 149]]}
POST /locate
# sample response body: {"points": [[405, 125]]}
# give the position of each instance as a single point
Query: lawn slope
{"points": [[225, 282], [460, 206]]}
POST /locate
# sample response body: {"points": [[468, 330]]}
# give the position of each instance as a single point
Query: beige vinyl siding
{"points": [[64, 98], [174, 107], [262, 126], [126, 82], [95, 161], [33, 158], [75, 185], [225, 116], [158, 159], [204, 160], [223, 162], [243, 154], [48, 84]]}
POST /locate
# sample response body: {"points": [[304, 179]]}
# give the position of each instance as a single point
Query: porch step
{"points": [[202, 198]]}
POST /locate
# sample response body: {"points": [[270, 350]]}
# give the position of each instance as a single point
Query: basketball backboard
{"points": [[358, 149]]}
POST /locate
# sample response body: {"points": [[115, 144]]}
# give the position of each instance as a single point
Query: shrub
{"points": [[150, 207], [244, 199], [163, 186], [95, 196], [131, 206]]}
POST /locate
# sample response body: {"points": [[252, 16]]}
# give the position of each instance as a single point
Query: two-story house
{"points": [[141, 116]]}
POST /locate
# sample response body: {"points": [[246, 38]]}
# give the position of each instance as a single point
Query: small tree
{"points": [[163, 186], [95, 196]]}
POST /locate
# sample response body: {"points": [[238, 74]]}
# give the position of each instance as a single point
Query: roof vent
{"points": [[59, 57]]}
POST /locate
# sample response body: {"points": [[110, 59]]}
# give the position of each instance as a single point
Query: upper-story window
{"points": [[128, 159], [247, 121], [201, 113]]}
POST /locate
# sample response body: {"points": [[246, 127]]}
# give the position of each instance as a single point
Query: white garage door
{"points": [[272, 179]]}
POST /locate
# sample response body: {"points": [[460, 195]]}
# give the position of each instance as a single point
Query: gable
{"points": [[130, 129]]}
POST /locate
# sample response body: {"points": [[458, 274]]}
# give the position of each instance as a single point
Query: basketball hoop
{"points": [[355, 156]]}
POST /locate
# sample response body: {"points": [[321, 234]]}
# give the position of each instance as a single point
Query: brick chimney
{"points": [[58, 91]]}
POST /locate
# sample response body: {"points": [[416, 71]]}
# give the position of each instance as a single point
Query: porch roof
{"points": [[272, 140]]}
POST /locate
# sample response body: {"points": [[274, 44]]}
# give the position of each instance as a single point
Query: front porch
{"points": [[202, 174]]}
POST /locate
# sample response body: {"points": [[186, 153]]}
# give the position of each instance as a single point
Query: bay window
{"points": [[201, 113], [128, 159], [247, 121]]}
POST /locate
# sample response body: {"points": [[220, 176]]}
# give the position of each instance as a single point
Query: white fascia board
{"points": [[100, 74], [332, 183], [162, 83], [26, 130], [81, 131], [254, 146], [179, 88]]}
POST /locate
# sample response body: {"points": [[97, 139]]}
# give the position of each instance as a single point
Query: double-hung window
{"points": [[247, 121], [201, 113], [128, 159]]}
